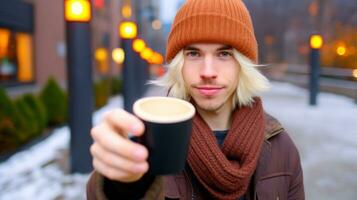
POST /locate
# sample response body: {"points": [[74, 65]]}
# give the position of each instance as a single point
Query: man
{"points": [[236, 151]]}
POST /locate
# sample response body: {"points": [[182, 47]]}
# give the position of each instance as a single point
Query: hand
{"points": [[114, 155]]}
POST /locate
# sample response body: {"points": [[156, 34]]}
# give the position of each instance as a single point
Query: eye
{"points": [[192, 54], [225, 54]]}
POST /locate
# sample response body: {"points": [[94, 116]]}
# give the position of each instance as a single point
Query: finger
{"points": [[118, 162], [115, 143], [122, 120], [114, 174]]}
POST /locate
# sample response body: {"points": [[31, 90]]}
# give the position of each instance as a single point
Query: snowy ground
{"points": [[41, 172], [326, 136]]}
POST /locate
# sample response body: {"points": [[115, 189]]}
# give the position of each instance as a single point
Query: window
{"points": [[16, 57]]}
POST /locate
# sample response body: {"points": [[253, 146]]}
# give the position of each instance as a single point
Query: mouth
{"points": [[208, 90]]}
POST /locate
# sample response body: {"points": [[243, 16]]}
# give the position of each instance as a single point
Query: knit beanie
{"points": [[213, 21]]}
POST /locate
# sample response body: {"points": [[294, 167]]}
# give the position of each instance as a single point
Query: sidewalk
{"points": [[326, 137]]}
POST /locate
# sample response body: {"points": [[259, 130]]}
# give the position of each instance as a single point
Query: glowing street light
{"points": [[101, 54], [316, 41], [126, 11], [156, 58], [341, 50], [146, 53], [139, 45], [128, 30], [118, 55], [78, 10]]}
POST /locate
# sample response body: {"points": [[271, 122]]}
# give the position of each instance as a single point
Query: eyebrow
{"points": [[193, 48], [225, 47]]}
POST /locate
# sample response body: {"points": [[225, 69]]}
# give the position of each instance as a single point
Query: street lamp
{"points": [[79, 70], [101, 56], [146, 53], [354, 74], [316, 42], [77, 10], [156, 58], [139, 45], [118, 55], [128, 30], [341, 50], [131, 83], [126, 11]]}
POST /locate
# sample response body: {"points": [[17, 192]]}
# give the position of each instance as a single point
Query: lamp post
{"points": [[354, 74], [316, 42], [78, 16], [127, 32]]}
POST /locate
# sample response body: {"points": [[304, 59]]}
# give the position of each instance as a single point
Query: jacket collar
{"points": [[272, 128]]}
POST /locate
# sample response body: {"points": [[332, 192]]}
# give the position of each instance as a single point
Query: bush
{"points": [[102, 92], [55, 101], [12, 124], [116, 86], [30, 127], [7, 125], [38, 108]]}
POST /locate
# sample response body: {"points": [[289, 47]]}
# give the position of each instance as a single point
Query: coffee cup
{"points": [[168, 123]]}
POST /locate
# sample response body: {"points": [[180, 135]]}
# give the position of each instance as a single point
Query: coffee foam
{"points": [[163, 109]]}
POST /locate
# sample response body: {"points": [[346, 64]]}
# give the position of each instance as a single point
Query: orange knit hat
{"points": [[213, 21]]}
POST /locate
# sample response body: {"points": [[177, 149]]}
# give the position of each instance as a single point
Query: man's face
{"points": [[210, 73]]}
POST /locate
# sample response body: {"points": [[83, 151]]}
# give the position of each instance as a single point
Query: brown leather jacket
{"points": [[278, 175]]}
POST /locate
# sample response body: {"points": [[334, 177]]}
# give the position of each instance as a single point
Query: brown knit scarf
{"points": [[226, 172]]}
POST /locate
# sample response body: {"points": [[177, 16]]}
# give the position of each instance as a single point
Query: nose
{"points": [[208, 70]]}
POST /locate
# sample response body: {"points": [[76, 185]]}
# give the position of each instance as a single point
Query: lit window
{"points": [[16, 59]]}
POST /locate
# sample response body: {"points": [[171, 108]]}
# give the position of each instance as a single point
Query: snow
{"points": [[35, 174], [326, 136]]}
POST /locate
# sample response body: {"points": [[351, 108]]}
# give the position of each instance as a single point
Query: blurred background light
{"points": [[341, 50], [316, 41], [128, 30], [146, 53], [139, 45], [118, 55], [156, 24], [77, 10], [126, 11]]}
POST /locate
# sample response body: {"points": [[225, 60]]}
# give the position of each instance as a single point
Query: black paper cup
{"points": [[168, 123]]}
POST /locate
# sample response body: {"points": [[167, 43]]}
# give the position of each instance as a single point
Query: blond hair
{"points": [[250, 81]]}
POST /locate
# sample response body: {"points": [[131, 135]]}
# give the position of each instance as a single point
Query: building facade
{"points": [[33, 41]]}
